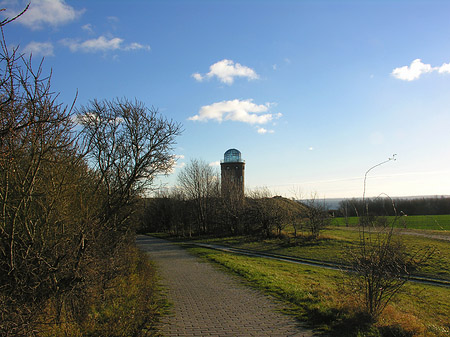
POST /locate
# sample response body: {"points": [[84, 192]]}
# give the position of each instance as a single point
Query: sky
{"points": [[313, 93]]}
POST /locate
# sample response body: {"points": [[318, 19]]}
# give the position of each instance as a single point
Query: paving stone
{"points": [[209, 302]]}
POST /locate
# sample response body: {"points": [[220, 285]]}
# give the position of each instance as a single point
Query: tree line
{"points": [[197, 207], [385, 206], [70, 180]]}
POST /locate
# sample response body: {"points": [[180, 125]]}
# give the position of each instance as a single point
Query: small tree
{"points": [[381, 264], [317, 217], [344, 209]]}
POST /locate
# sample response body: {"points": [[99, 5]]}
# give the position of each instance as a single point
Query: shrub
{"points": [[127, 305]]}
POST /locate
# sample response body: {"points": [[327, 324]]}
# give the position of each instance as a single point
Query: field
{"points": [[320, 297], [429, 222], [336, 242]]}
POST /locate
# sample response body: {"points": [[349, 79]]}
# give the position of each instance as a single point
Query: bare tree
{"points": [[4, 22], [298, 218], [345, 209], [200, 184], [381, 264], [128, 146], [317, 217]]}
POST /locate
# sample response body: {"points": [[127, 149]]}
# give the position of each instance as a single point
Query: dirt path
{"points": [[426, 235], [209, 302]]}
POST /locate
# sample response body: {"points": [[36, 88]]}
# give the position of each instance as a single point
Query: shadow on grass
{"points": [[336, 323]]}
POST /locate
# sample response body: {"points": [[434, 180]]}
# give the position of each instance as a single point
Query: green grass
{"points": [[429, 222], [318, 296], [335, 244]]}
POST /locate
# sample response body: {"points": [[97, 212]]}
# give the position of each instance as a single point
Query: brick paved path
{"points": [[209, 302]]}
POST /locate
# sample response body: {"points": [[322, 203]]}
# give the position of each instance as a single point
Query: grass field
{"points": [[319, 297], [335, 244], [430, 222]]}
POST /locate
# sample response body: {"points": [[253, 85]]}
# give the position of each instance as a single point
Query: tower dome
{"points": [[232, 156]]}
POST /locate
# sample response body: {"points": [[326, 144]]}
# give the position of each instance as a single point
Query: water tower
{"points": [[232, 172]]}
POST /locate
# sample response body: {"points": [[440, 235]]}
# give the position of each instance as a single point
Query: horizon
{"points": [[333, 203], [313, 93]]}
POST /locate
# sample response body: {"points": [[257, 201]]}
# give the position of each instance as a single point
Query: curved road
{"points": [[209, 302]]}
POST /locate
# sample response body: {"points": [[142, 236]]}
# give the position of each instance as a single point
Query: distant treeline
{"points": [[396, 206], [211, 215]]}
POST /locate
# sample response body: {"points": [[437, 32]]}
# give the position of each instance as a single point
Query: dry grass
{"points": [[128, 305]]}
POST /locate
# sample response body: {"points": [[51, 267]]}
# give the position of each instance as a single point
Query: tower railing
{"points": [[234, 161]]}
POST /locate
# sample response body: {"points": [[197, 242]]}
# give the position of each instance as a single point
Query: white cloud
{"points": [[417, 69], [412, 72], [226, 71], [92, 118], [40, 12], [175, 164], [263, 131], [88, 28], [444, 69], [101, 44], [136, 46], [179, 164], [39, 48], [198, 77], [236, 110], [179, 156], [214, 164], [86, 119]]}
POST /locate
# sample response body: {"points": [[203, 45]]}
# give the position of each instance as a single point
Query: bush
{"points": [[128, 305], [381, 265]]}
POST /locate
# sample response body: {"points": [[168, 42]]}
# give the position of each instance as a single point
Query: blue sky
{"points": [[313, 93]]}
